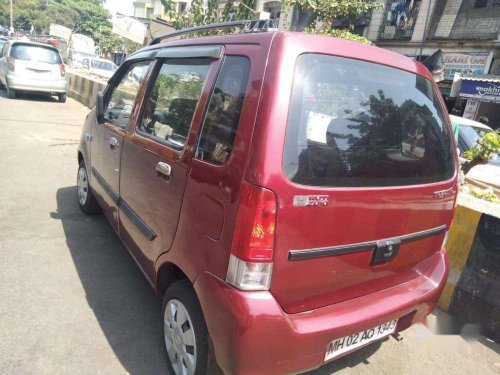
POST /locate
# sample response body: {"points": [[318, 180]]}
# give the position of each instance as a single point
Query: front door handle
{"points": [[163, 169], [113, 143]]}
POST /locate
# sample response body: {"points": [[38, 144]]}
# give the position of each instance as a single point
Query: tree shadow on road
{"points": [[124, 304]]}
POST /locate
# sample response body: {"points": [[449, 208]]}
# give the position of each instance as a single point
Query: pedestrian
{"points": [[484, 120]]}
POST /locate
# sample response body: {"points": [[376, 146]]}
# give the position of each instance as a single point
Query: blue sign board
{"points": [[481, 90]]}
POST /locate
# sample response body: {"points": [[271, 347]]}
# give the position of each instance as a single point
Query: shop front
{"points": [[482, 95]]}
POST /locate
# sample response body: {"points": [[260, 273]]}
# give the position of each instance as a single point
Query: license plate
{"points": [[357, 340], [39, 73]]}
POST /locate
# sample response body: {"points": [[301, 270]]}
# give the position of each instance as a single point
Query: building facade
{"points": [[465, 34], [154, 8]]}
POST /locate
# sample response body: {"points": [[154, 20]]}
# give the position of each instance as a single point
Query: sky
{"points": [[121, 6]]}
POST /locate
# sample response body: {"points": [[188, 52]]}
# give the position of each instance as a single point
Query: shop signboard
{"points": [[481, 90], [470, 109], [470, 63]]}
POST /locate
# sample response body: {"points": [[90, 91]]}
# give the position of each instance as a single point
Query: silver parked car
{"points": [[34, 67]]}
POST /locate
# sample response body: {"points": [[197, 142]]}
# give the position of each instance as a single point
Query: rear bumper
{"points": [[253, 335], [29, 84]]}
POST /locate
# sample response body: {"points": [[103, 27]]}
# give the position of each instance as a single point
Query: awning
{"points": [[482, 87]]}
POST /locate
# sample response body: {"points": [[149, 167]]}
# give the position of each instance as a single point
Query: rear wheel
{"points": [[62, 97], [86, 200], [185, 330], [11, 93]]}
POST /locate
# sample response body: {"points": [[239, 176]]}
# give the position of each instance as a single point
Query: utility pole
{"points": [[11, 19], [429, 4]]}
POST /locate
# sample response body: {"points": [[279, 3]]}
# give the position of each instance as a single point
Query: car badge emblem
{"points": [[310, 200]]}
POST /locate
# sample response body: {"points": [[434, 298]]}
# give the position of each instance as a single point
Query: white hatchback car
{"points": [[468, 134], [34, 67]]}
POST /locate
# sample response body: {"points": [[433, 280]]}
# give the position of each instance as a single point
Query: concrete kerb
{"points": [[472, 292], [84, 89]]}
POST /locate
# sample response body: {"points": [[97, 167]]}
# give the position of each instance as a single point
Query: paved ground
{"points": [[72, 300]]}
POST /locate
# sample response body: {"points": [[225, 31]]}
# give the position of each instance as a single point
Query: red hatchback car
{"points": [[288, 195]]}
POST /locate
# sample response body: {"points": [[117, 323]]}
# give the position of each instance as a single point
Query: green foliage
{"points": [[486, 194], [197, 15], [485, 148], [327, 11]]}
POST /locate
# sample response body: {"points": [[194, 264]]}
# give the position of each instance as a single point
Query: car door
{"points": [[156, 156], [3, 63], [108, 135]]}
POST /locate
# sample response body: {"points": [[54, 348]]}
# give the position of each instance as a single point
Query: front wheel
{"points": [[62, 97], [185, 330], [86, 200]]}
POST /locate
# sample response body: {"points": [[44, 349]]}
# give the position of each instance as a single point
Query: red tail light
{"points": [[11, 63], [62, 68], [253, 239]]}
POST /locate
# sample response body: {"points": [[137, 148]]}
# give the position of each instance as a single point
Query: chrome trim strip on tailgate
{"points": [[361, 246]]}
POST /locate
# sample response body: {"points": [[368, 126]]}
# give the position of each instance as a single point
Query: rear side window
{"points": [[223, 115], [35, 54], [358, 124], [172, 101]]}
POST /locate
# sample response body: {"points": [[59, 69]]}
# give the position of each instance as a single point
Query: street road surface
{"points": [[72, 300]]}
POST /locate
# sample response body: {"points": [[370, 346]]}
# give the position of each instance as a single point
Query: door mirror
{"points": [[100, 106]]}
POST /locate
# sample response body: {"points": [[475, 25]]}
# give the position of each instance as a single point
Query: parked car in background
{"points": [[2, 42], [101, 67], [468, 134], [33, 67], [288, 195]]}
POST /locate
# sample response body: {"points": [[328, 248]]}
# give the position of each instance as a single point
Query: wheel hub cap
{"points": [[83, 186], [180, 338]]}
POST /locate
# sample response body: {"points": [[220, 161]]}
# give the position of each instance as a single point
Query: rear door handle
{"points": [[163, 169], [113, 143]]}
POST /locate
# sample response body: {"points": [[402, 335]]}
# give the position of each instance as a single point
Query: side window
{"points": [[169, 110], [122, 98], [221, 121]]}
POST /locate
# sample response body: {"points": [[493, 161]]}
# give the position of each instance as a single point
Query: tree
{"points": [[87, 17], [322, 13], [198, 15]]}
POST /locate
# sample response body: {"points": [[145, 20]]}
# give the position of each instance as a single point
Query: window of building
{"points": [[480, 3], [182, 7], [169, 111], [223, 116]]}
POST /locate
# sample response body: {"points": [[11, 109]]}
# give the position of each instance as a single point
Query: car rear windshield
{"points": [[35, 53], [357, 124]]}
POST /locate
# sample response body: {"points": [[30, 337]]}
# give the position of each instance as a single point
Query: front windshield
{"points": [[104, 65], [469, 135]]}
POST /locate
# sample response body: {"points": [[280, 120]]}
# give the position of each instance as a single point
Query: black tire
{"points": [[88, 205], [62, 97], [183, 291], [11, 93]]}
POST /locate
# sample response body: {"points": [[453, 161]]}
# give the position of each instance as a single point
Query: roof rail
{"points": [[250, 26]]}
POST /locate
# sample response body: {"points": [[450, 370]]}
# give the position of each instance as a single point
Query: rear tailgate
{"points": [[36, 62], [369, 170], [317, 262]]}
